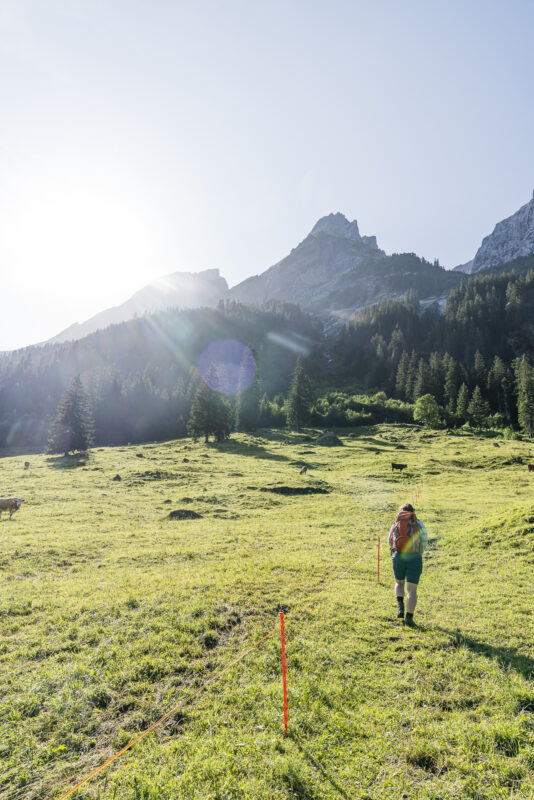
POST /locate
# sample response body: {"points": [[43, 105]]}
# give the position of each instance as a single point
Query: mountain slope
{"points": [[310, 272], [336, 270], [512, 238], [180, 289]]}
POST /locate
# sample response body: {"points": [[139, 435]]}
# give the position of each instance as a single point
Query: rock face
{"points": [[511, 238], [180, 290], [311, 271]]}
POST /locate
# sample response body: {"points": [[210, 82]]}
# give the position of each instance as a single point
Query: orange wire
{"points": [[171, 712], [207, 683]]}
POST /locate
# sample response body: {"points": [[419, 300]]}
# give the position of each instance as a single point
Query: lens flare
{"points": [[226, 365]]}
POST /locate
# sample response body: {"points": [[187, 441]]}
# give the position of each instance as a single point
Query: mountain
{"points": [[180, 290], [512, 238], [335, 270]]}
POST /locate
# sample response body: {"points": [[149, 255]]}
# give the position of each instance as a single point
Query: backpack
{"points": [[406, 533]]}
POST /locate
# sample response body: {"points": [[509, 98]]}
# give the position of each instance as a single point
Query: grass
{"points": [[110, 613]]}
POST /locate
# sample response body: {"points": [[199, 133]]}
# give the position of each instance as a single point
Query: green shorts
{"points": [[407, 567]]}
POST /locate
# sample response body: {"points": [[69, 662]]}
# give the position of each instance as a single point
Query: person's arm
{"points": [[423, 535], [391, 537]]}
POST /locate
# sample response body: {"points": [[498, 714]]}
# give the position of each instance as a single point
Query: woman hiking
{"points": [[407, 540]]}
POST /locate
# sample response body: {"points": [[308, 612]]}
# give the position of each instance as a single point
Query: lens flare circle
{"points": [[226, 365]]}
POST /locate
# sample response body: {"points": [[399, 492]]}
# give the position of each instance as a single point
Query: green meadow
{"points": [[111, 613]]}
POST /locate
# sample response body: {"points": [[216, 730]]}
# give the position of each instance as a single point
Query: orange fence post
{"points": [[284, 669]]}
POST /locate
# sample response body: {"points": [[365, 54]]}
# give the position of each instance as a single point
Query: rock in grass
{"points": [[117, 477], [184, 513], [329, 439]]}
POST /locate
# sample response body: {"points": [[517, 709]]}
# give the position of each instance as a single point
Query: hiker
{"points": [[407, 539]]}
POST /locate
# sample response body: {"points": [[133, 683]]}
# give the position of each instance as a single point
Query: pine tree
{"points": [[452, 383], [299, 401], [210, 413], [462, 402], [248, 403], [402, 372], [499, 387], [437, 377], [478, 408], [411, 376], [72, 429], [479, 369], [525, 395], [423, 381]]}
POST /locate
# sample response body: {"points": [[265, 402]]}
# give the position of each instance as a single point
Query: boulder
{"points": [[329, 439]]}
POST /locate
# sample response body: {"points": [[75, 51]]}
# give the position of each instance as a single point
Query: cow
{"points": [[304, 470], [26, 465], [398, 466], [10, 504], [530, 467]]}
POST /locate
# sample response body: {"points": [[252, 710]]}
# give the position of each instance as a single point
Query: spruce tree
{"points": [[462, 402], [299, 401], [452, 383], [411, 376], [479, 369], [525, 395], [72, 429], [210, 413], [402, 372], [423, 381], [248, 403], [478, 408]]}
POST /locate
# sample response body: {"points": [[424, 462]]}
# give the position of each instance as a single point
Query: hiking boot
{"points": [[400, 606], [409, 621]]}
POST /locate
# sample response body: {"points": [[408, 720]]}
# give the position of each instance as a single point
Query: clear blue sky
{"points": [[141, 138]]}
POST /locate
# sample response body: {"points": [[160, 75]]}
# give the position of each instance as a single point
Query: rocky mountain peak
{"points": [[337, 225], [511, 238]]}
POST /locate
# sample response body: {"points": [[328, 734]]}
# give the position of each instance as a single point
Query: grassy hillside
{"points": [[110, 613]]}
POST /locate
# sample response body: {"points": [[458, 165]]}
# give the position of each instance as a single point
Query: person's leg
{"points": [[399, 571], [411, 600], [399, 594], [413, 573]]}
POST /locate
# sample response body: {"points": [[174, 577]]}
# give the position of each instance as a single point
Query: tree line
{"points": [[141, 382]]}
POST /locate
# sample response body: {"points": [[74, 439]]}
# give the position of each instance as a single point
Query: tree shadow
{"points": [[244, 449], [506, 656], [68, 462], [318, 766], [392, 448]]}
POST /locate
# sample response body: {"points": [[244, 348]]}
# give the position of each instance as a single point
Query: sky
{"points": [[143, 138]]}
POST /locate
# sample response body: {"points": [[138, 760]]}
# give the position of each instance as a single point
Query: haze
{"points": [[137, 139]]}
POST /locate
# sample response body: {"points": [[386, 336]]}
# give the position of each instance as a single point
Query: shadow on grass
{"points": [[67, 462], [316, 764], [245, 449], [507, 656]]}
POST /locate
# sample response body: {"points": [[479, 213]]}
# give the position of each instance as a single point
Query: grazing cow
{"points": [[530, 467], [10, 504], [26, 465], [304, 470], [398, 466]]}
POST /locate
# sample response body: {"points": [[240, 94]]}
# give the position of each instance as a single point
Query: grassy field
{"points": [[110, 613]]}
